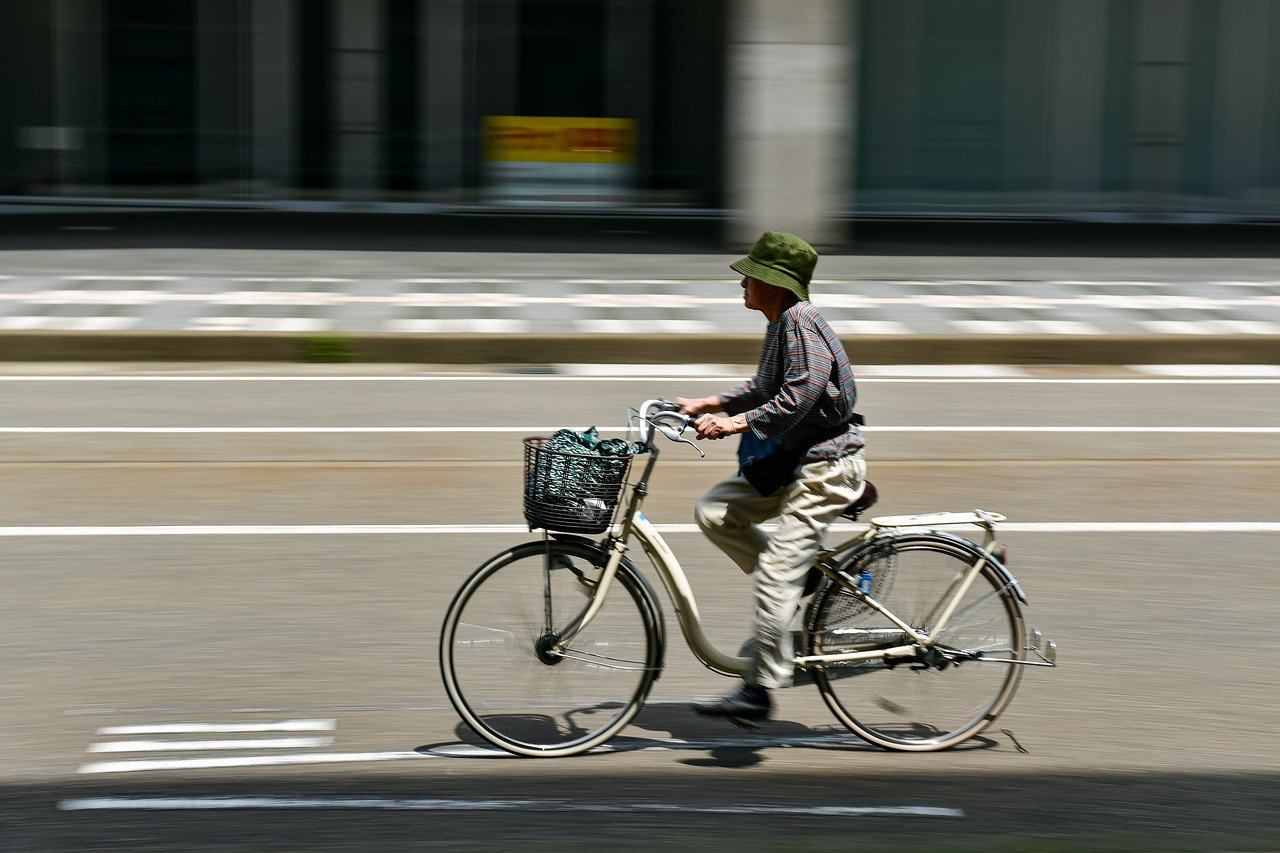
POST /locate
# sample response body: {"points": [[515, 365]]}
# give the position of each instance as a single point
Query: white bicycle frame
{"points": [[634, 522]]}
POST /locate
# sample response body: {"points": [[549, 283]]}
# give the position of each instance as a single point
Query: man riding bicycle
{"points": [[806, 468]]}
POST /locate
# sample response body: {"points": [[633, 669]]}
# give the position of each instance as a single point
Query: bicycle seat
{"points": [[863, 502]]}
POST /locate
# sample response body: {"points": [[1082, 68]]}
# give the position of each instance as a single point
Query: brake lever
{"points": [[694, 446], [679, 438], [683, 440]]}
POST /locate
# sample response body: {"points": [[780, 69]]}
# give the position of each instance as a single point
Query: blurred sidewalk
{"points": [[92, 279]]}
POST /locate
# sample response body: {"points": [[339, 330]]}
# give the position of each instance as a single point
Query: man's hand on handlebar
{"points": [[711, 426], [698, 405]]}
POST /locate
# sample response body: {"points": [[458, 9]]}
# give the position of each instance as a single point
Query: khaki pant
{"points": [[730, 514]]}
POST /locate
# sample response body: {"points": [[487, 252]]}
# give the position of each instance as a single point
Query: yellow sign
{"points": [[548, 139]]}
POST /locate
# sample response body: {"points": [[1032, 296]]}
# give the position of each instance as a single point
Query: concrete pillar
{"points": [[1076, 132], [358, 69], [79, 96], [442, 135], [1241, 116], [273, 23], [1160, 100], [220, 96], [790, 94]]}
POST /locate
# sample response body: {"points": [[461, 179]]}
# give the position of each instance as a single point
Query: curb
{"points": [[626, 349]]}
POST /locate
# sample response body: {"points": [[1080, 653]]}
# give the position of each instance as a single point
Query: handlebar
{"points": [[663, 415]]}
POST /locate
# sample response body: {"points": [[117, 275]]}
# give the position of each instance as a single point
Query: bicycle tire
{"points": [[912, 706], [512, 692]]}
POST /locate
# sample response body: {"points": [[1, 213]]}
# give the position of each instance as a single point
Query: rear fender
{"points": [[951, 539]]}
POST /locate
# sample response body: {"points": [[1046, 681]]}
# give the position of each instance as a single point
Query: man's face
{"points": [[754, 294]]}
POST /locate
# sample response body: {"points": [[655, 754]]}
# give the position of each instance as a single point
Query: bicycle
{"points": [[915, 637]]}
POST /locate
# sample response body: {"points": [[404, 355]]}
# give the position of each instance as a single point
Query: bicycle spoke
{"points": [[602, 660], [939, 699], [503, 672]]}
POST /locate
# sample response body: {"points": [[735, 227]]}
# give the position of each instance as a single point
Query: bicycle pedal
{"points": [[744, 723]]}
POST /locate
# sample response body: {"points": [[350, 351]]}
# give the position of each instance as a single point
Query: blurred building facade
{"points": [[801, 114]]}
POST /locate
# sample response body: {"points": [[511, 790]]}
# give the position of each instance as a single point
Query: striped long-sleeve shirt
{"points": [[802, 389]]}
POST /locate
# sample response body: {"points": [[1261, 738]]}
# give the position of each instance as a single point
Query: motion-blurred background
{"points": [[806, 113], [1048, 237]]}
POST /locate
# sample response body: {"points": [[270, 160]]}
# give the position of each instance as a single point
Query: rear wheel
{"points": [[501, 669], [939, 700]]}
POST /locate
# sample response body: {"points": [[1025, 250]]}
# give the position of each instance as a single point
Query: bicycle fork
{"points": [[554, 644]]}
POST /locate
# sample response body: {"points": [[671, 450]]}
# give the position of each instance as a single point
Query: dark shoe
{"points": [[747, 708]]}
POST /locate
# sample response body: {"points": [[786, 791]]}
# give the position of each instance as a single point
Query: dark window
{"points": [[315, 101], [151, 118], [400, 143], [687, 98], [562, 57]]}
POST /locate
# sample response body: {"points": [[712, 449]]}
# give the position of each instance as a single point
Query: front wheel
{"points": [[502, 672], [954, 693]]}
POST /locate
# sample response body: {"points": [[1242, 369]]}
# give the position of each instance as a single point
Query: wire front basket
{"points": [[569, 492]]}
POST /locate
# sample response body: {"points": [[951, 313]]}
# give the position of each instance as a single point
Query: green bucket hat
{"points": [[780, 259]]}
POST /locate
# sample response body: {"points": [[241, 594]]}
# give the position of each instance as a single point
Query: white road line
{"points": [[882, 374], [157, 764], [1079, 429], [891, 372], [546, 430], [195, 745], [122, 278], [221, 728], [453, 751], [276, 430], [546, 806], [1207, 369], [501, 529]]}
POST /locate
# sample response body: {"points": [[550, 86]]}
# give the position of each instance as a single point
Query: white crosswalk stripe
{"points": [[1210, 327], [624, 305], [614, 327], [259, 324], [176, 744], [484, 325], [69, 324], [870, 327], [1026, 327]]}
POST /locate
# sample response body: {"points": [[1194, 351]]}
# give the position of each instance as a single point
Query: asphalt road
{"points": [[280, 592]]}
